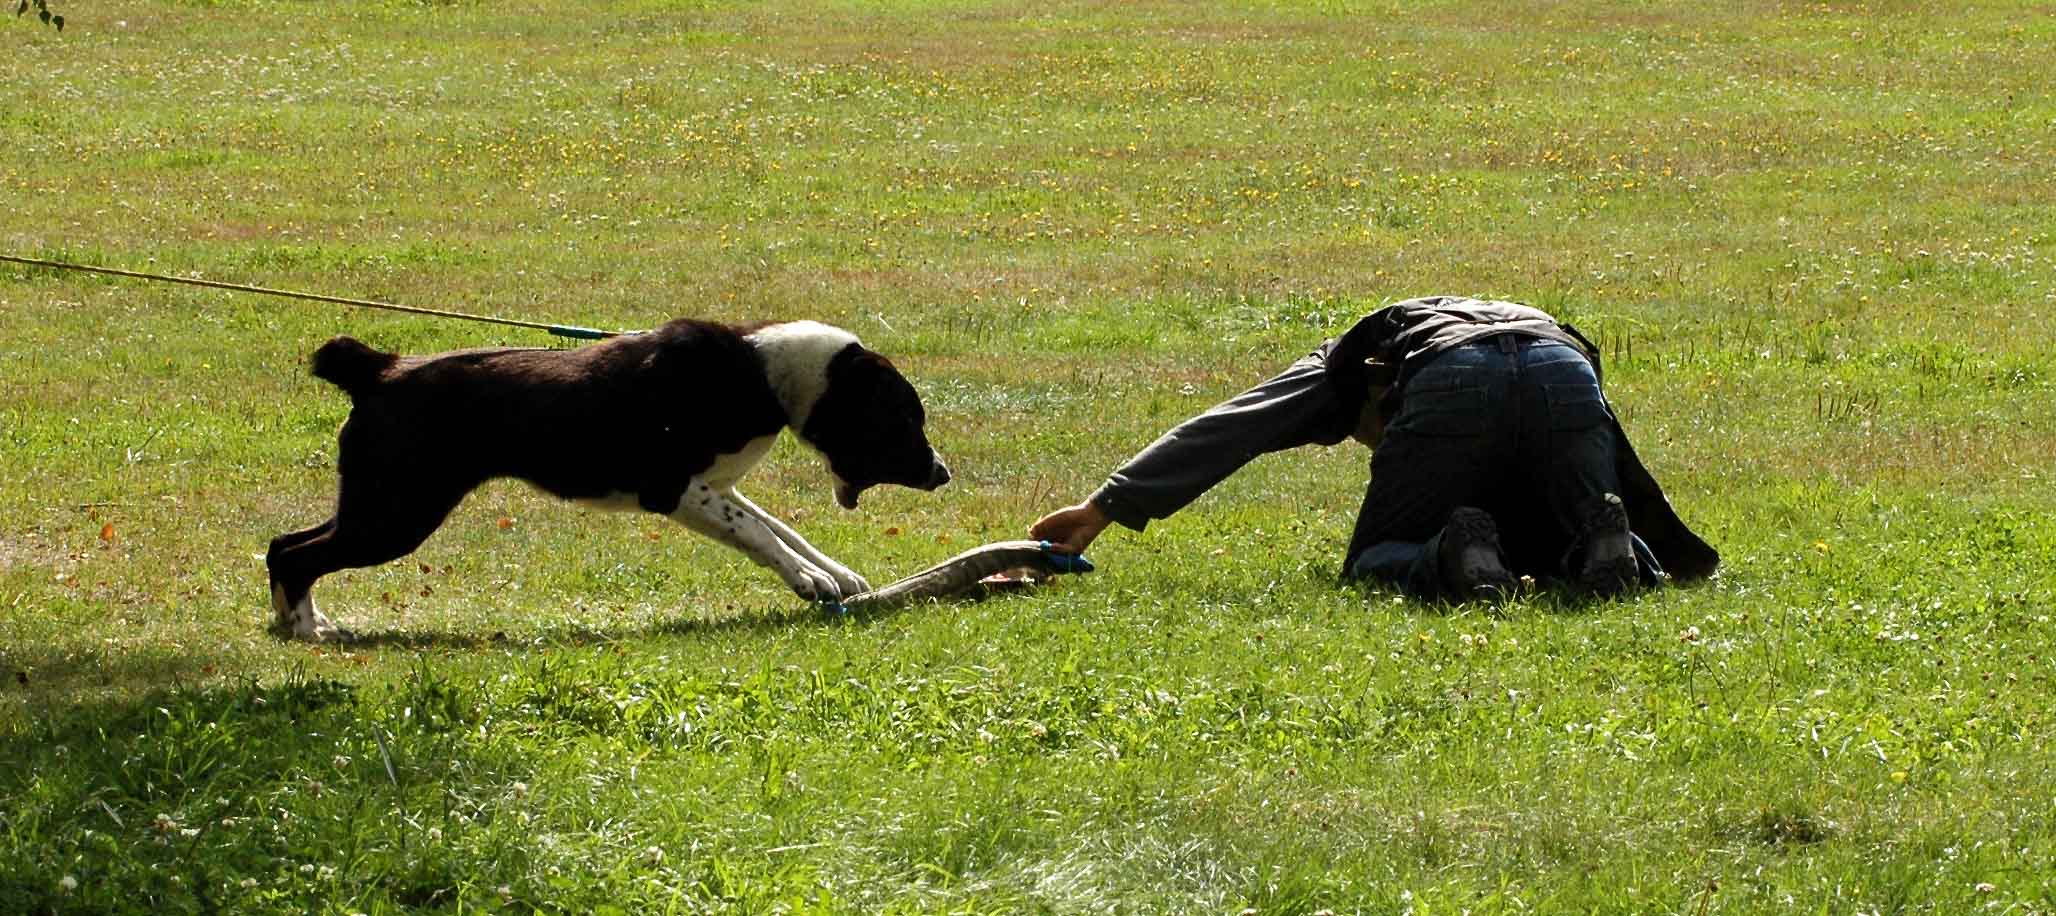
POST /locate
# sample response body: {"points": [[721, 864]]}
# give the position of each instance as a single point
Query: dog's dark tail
{"points": [[350, 365]]}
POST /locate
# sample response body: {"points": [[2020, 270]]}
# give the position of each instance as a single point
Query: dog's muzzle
{"points": [[937, 475], [846, 493]]}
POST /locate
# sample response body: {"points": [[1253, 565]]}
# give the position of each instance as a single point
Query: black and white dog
{"points": [[665, 421]]}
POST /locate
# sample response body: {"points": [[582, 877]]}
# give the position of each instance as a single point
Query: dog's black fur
{"points": [[639, 417]]}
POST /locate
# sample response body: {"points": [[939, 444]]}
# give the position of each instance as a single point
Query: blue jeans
{"points": [[1515, 426]]}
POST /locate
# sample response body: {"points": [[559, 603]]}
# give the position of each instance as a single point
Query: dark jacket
{"points": [[1320, 398]]}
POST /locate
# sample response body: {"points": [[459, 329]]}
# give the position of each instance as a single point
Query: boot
{"points": [[1468, 557], [1609, 567]]}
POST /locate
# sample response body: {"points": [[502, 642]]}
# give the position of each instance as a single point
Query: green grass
{"points": [[1816, 241]]}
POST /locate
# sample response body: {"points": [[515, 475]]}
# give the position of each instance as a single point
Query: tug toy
{"points": [[1000, 564]]}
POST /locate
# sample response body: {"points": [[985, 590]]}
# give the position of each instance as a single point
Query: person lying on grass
{"points": [[1494, 457]]}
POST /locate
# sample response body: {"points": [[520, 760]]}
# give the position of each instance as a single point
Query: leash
{"points": [[560, 330]]}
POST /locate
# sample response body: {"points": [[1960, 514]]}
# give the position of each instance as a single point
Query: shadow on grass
{"points": [[53, 676], [785, 617], [59, 678], [1552, 599], [70, 693], [780, 619], [560, 636]]}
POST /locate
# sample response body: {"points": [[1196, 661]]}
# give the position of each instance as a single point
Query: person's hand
{"points": [[1071, 529]]}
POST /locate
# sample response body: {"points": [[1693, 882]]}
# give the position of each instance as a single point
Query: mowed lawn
{"points": [[1816, 240]]}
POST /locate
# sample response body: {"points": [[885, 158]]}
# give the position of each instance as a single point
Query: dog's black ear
{"points": [[869, 425], [868, 368], [867, 385]]}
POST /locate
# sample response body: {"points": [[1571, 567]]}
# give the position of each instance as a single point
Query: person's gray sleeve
{"points": [[1293, 408]]}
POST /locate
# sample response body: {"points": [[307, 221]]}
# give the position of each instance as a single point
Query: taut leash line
{"points": [[560, 330]]}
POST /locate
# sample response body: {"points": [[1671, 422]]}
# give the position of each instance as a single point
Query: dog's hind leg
{"points": [[283, 600], [293, 571], [371, 526], [291, 538]]}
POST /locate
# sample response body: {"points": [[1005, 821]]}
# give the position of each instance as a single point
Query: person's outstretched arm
{"points": [[1296, 407]]}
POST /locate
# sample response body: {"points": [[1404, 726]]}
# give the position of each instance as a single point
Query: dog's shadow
{"points": [[774, 620]]}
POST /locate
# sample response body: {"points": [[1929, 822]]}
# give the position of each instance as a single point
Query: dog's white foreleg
{"points": [[851, 583], [713, 512]]}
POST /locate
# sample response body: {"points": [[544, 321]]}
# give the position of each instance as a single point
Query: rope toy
{"points": [[967, 571]]}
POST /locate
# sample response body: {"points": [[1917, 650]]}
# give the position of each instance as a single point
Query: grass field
{"points": [[1817, 240]]}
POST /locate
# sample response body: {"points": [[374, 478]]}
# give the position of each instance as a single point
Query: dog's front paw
{"points": [[847, 580], [814, 584]]}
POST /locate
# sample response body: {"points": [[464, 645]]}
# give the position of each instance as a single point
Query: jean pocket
{"points": [[1447, 412], [1576, 407]]}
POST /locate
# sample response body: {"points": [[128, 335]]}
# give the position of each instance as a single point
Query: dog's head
{"points": [[868, 424], [853, 407]]}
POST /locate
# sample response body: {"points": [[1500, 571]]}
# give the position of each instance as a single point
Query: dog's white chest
{"points": [[726, 470], [730, 467]]}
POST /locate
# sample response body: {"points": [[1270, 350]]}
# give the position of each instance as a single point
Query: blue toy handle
{"points": [[1066, 562]]}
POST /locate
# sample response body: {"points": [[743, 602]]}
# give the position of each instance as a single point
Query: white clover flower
{"points": [[520, 790], [67, 884], [247, 883], [164, 823]]}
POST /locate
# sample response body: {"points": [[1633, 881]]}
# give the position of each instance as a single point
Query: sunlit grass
{"points": [[1814, 241]]}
